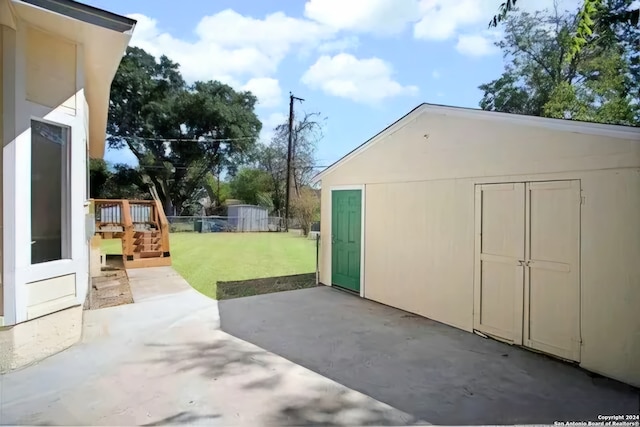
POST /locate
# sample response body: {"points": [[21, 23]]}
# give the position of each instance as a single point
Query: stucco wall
{"points": [[419, 222], [1, 169], [51, 71], [29, 342]]}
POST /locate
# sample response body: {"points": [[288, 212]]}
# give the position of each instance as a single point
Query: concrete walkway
{"points": [[164, 360], [430, 370]]}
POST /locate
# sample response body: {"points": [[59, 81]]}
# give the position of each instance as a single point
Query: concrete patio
{"points": [[164, 360], [430, 370]]}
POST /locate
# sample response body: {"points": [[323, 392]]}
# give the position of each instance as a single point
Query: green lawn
{"points": [[203, 259]]}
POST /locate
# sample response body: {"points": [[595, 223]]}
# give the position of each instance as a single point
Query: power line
{"points": [[241, 138], [187, 167]]}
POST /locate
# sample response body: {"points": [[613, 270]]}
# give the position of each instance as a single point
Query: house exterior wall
{"points": [[47, 80], [419, 221], [1, 145], [29, 342], [51, 65]]}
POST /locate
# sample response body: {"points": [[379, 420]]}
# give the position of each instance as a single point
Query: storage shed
{"points": [[525, 229], [248, 218]]}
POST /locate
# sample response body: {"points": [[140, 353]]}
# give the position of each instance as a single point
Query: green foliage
{"points": [[503, 11], [99, 175], [218, 191], [585, 26], [543, 76], [592, 13], [265, 200], [175, 130], [123, 182], [272, 158], [250, 185], [306, 208]]}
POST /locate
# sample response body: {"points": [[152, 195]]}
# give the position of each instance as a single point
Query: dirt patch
{"points": [[111, 288], [245, 288]]}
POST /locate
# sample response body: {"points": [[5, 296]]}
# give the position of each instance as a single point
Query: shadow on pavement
{"points": [[288, 393], [183, 418], [430, 370]]}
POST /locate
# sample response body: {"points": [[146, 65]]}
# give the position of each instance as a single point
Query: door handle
{"points": [[521, 262]]}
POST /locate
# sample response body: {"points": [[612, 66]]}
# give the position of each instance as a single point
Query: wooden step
{"points": [[147, 241], [147, 262], [146, 234], [106, 235], [151, 247], [150, 254]]}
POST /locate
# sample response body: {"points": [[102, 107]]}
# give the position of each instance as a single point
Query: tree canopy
{"points": [[263, 180], [119, 182], [587, 23], [179, 133], [544, 77]]}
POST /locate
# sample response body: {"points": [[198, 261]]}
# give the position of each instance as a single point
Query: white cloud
{"points": [[267, 90], [442, 19], [340, 45], [241, 51], [276, 34], [231, 47], [362, 80], [435, 74], [269, 123], [479, 44], [467, 21], [375, 16]]}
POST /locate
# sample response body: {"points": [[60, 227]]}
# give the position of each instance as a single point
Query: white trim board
{"points": [[614, 131], [362, 189]]}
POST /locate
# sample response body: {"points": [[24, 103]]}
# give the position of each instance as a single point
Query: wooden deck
{"points": [[142, 227]]}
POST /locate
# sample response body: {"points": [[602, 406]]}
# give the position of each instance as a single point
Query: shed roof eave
{"points": [[614, 131]]}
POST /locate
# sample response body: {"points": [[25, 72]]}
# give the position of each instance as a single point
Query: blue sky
{"points": [[361, 63]]}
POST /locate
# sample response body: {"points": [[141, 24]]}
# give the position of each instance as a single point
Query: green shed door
{"points": [[346, 219]]}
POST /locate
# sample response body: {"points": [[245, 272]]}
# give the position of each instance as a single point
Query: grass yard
{"points": [[203, 259]]}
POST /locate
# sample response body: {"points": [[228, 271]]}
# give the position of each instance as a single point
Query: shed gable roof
{"points": [[614, 131]]}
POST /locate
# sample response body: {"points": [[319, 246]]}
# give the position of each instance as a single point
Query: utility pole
{"points": [[289, 155]]}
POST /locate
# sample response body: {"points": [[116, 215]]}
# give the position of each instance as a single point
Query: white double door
{"points": [[527, 271]]}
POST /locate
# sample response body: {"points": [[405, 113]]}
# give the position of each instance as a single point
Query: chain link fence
{"points": [[218, 224]]}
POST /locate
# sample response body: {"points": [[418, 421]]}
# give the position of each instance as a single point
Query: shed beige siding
{"points": [[419, 221]]}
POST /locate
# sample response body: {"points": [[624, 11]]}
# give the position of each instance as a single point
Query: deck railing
{"points": [[112, 212], [127, 219]]}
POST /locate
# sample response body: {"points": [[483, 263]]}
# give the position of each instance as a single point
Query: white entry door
{"points": [[527, 281]]}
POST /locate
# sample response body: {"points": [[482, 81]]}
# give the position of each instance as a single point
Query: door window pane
{"points": [[49, 195]]}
